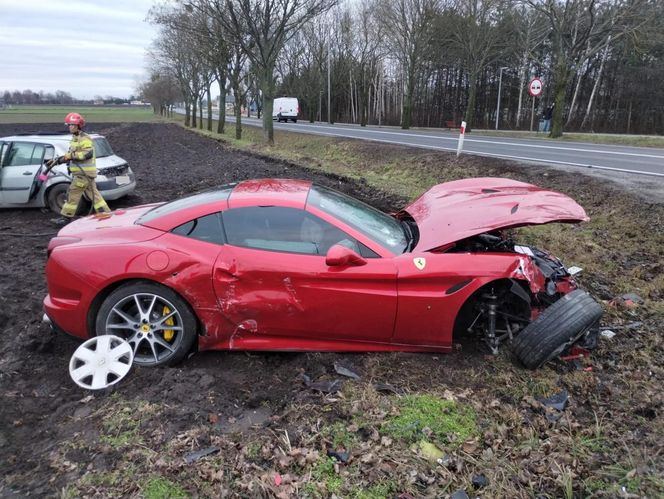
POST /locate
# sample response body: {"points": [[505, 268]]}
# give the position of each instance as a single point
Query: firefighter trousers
{"points": [[82, 184]]}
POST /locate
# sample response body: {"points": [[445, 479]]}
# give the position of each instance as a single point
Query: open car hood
{"points": [[460, 209]]}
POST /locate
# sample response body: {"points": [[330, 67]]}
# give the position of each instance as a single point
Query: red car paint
{"points": [[247, 298], [462, 208]]}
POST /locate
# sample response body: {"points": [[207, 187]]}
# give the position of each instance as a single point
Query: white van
{"points": [[285, 108]]}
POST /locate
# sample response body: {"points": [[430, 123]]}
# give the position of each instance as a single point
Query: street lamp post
{"points": [[500, 84]]}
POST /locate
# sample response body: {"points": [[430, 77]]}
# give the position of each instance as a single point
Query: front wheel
{"points": [[56, 197], [556, 328], [155, 321]]}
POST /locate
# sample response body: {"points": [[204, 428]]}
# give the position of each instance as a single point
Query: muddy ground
{"points": [[266, 425]]}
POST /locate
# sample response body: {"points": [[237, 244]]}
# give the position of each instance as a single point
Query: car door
{"points": [[20, 164], [272, 276]]}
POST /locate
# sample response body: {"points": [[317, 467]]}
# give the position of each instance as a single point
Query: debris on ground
{"points": [[480, 481], [341, 456], [345, 372], [322, 386], [387, 388], [196, 455], [555, 405]]}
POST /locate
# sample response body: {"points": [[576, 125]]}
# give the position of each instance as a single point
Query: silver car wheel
{"points": [[152, 325]]}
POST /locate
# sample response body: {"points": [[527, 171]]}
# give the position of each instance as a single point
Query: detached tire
{"points": [[556, 328]]}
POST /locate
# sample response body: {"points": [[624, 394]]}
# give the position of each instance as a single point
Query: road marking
{"points": [[504, 156], [481, 141]]}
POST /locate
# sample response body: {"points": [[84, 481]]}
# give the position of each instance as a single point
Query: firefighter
{"points": [[82, 167]]}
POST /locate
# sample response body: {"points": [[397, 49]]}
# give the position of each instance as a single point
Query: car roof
{"points": [[257, 192], [267, 191]]}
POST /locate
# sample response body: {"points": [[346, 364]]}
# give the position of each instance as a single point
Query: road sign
{"points": [[535, 87]]}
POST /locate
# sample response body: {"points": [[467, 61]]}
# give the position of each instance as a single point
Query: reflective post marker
{"points": [[462, 134]]}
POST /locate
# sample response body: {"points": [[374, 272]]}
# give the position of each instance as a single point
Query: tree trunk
{"points": [[407, 115], [221, 124], [598, 78], [187, 113], [200, 114], [238, 112], [267, 83], [209, 109], [561, 78], [472, 97], [194, 108]]}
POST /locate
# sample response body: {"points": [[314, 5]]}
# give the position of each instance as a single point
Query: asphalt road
{"points": [[640, 160]]}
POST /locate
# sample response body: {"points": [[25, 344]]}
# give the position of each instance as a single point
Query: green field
{"points": [[92, 114]]}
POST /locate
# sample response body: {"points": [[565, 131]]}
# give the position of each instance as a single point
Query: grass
{"points": [[162, 488], [446, 421], [92, 114]]}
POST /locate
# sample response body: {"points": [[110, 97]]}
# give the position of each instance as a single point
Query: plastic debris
{"points": [[573, 270], [607, 333], [429, 451], [480, 481], [459, 494], [196, 455], [387, 388], [555, 405], [277, 479], [100, 362], [345, 372], [322, 386], [340, 456], [558, 401], [632, 297]]}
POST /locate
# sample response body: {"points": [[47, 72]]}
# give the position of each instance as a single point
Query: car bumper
{"points": [[111, 190]]}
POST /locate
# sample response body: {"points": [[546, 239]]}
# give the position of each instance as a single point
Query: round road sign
{"points": [[535, 87]]}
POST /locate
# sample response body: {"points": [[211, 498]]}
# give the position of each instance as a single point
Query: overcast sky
{"points": [[84, 47]]}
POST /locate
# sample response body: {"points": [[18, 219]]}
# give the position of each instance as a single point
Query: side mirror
{"points": [[341, 256]]}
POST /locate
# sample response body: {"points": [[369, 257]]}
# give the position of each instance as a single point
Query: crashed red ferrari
{"points": [[277, 264]]}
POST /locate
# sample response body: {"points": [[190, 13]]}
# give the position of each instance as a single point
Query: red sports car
{"points": [[279, 264]]}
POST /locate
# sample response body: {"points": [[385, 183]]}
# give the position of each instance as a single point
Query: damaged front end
{"points": [[506, 309]]}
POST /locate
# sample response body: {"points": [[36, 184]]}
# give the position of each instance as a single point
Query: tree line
{"points": [[416, 62], [59, 97]]}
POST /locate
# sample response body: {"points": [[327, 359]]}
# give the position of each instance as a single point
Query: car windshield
{"points": [[184, 203], [371, 222], [102, 147]]}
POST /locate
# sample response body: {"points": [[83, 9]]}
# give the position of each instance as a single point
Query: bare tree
{"points": [[408, 28], [580, 29], [261, 28]]}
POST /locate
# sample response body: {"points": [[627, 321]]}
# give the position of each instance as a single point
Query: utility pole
{"points": [[500, 84], [329, 93]]}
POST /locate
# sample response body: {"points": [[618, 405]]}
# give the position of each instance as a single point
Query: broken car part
{"points": [[100, 362]]}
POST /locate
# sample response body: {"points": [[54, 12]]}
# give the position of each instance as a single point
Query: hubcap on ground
{"points": [[101, 362]]}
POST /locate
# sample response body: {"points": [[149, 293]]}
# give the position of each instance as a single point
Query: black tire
{"points": [[56, 196], [556, 328], [294, 120], [171, 328]]}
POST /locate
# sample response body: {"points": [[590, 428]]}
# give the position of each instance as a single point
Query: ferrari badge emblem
{"points": [[420, 263]]}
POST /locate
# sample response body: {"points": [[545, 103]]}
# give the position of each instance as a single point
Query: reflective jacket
{"points": [[82, 156]]}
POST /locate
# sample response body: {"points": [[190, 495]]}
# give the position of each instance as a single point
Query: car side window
{"points": [[20, 154], [276, 228], [207, 228], [38, 154], [3, 149]]}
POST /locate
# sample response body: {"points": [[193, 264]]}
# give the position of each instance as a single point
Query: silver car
{"points": [[23, 156]]}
